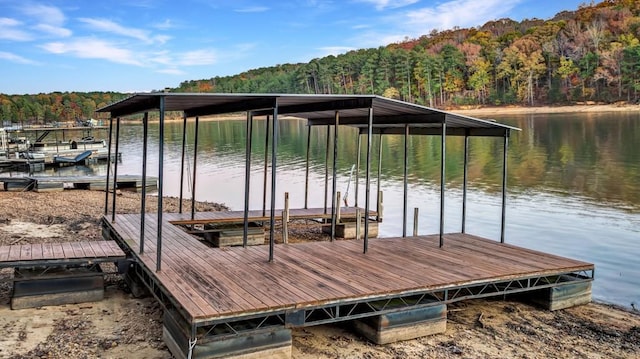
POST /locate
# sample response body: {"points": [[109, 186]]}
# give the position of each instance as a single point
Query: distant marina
{"points": [[33, 148]]}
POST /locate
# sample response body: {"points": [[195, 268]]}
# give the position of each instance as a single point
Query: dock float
{"points": [[60, 183], [58, 273]]}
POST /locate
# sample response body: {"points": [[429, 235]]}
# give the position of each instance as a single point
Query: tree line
{"points": [[53, 107], [590, 54]]}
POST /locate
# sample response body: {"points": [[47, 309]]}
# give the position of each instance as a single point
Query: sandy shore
{"points": [[124, 327], [519, 110]]}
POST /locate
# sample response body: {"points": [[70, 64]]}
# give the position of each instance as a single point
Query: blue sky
{"points": [[144, 45]]}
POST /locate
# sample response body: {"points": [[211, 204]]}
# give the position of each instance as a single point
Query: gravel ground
{"points": [[124, 327]]}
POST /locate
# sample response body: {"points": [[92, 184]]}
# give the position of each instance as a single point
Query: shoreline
{"points": [[520, 110]]}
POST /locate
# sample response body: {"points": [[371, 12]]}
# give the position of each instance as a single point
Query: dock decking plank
{"points": [[4, 253], [218, 282], [47, 251], [25, 252]]}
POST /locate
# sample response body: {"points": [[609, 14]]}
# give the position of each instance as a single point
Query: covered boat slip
{"points": [[224, 298]]}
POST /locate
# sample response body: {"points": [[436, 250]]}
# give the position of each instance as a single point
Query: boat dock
{"points": [[217, 293], [243, 301], [60, 183]]}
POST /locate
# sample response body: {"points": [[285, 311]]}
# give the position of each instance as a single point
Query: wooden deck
{"points": [[258, 216], [212, 283], [59, 253]]}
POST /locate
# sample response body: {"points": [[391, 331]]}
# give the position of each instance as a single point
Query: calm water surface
{"points": [[574, 183]]}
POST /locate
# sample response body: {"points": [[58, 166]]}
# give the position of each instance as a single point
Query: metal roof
{"points": [[389, 116]]}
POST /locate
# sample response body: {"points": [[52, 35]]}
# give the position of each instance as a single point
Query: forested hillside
{"points": [[591, 54]]}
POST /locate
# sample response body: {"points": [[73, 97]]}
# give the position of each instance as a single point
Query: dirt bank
{"points": [[124, 327], [519, 110]]}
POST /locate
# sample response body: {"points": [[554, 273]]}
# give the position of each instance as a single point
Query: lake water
{"points": [[573, 184]]}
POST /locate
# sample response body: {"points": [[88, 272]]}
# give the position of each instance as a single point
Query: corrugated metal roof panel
{"points": [[318, 109]]}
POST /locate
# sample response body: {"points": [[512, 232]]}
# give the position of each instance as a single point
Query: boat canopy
{"points": [[387, 116]]}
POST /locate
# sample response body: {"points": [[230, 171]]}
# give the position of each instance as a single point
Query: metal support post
{"points": [[115, 171], [266, 167], [306, 170], [326, 168], [465, 177], [184, 146], [443, 147], [195, 167], [247, 178], [368, 181], [160, 184], [504, 186], [143, 197], [359, 141], [285, 219], [274, 148], [106, 190], [379, 200], [415, 221], [334, 175], [405, 181]]}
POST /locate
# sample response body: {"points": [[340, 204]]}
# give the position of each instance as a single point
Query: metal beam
{"points": [[147, 104], [333, 105], [235, 106], [392, 120], [434, 131]]}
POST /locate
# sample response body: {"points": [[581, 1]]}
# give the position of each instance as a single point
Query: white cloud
{"points": [[16, 58], [162, 39], [9, 30], [54, 30], [197, 57], [44, 14], [91, 48], [462, 13], [253, 9], [115, 28], [172, 71], [390, 4], [165, 25]]}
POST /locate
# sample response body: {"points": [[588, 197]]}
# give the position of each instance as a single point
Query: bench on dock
{"points": [[221, 228], [58, 273]]}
